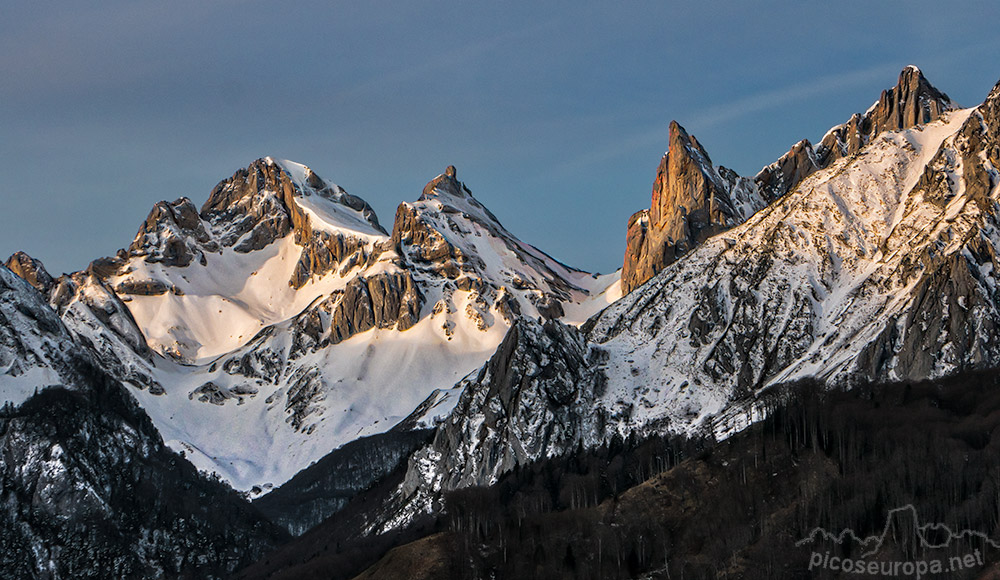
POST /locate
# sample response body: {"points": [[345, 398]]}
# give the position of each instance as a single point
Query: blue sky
{"points": [[555, 113]]}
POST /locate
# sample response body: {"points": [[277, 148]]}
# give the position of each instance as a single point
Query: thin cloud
{"points": [[461, 55], [707, 118], [718, 115], [713, 116]]}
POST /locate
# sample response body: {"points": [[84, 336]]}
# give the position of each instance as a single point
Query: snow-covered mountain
{"points": [[281, 321], [878, 267]]}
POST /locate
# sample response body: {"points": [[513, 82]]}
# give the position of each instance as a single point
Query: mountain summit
{"points": [[692, 201]]}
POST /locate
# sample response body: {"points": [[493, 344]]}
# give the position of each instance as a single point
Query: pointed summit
{"points": [[454, 196], [691, 201], [419, 227], [684, 182], [448, 183], [913, 101], [266, 201]]}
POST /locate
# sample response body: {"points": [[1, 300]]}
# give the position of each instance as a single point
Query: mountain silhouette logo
{"points": [[903, 527]]}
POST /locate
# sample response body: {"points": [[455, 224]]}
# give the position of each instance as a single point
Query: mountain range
{"points": [[282, 355]]}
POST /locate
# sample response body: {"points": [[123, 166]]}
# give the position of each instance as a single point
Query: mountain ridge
{"points": [[692, 199]]}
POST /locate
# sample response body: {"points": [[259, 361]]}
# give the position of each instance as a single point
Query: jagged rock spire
{"points": [[691, 201], [447, 182], [913, 101]]}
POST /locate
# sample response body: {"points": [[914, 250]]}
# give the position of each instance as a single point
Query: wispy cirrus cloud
{"points": [[712, 117], [464, 54], [794, 93]]}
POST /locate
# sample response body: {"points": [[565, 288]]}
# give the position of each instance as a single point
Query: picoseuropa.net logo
{"points": [[896, 568], [903, 533]]}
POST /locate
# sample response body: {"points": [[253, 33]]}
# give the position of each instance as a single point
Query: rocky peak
{"points": [[96, 315], [257, 205], [445, 184], [691, 201], [455, 197], [913, 101], [31, 337], [684, 184], [31, 270], [436, 235], [260, 176], [422, 231], [254, 207]]}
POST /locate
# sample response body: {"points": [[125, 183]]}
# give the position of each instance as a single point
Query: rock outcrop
{"points": [[385, 300], [789, 170], [100, 320], [325, 252], [31, 270], [425, 246], [174, 235], [96, 318], [692, 201], [33, 341]]}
